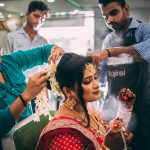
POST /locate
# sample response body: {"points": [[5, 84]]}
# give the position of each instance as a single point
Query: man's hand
{"points": [[98, 56], [56, 52]]}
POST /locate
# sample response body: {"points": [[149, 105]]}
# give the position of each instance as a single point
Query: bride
{"points": [[76, 126]]}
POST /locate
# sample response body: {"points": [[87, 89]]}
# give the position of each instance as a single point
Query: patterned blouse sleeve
{"points": [[64, 139]]}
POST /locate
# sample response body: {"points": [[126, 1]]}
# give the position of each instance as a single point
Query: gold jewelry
{"points": [[42, 104], [101, 128], [51, 70], [117, 125], [88, 67], [70, 102]]}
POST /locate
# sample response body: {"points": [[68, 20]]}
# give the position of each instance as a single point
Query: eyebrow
{"points": [[90, 76], [109, 13]]}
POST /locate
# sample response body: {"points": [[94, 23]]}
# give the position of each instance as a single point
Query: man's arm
{"points": [[114, 52], [143, 46], [139, 51]]}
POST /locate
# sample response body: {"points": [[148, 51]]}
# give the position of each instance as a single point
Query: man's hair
{"points": [[106, 2], [37, 5]]}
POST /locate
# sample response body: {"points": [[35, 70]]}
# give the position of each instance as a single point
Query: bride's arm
{"points": [[126, 98], [124, 113]]}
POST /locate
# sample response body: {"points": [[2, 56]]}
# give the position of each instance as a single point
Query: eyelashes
{"points": [[88, 81]]}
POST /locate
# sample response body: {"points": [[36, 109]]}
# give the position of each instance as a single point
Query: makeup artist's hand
{"points": [[56, 52]]}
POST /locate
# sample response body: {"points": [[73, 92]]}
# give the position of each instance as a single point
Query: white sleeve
{"points": [[124, 113]]}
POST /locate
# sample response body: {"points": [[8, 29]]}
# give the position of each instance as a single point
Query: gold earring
{"points": [[70, 102]]}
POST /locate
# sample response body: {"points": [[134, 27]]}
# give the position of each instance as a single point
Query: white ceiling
{"points": [[20, 6]]}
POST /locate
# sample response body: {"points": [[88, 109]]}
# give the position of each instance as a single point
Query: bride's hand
{"points": [[127, 97], [118, 135]]}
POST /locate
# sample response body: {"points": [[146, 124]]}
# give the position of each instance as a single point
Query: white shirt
{"points": [[20, 40]]}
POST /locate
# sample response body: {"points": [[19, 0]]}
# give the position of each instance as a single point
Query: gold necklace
{"points": [[101, 128]]}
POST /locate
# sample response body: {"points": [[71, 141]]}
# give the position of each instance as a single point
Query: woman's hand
{"points": [[35, 84], [127, 97], [116, 125], [118, 135], [56, 52]]}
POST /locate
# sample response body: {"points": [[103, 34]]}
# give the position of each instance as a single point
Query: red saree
{"points": [[65, 133]]}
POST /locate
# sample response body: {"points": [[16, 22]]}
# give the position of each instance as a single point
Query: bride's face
{"points": [[90, 84]]}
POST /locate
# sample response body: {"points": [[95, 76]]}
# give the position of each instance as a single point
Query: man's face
{"points": [[35, 19], [116, 16]]}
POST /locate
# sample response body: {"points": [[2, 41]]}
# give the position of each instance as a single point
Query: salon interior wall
{"points": [[79, 33], [74, 34], [142, 14]]}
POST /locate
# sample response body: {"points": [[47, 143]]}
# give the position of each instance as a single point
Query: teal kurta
{"points": [[12, 67]]}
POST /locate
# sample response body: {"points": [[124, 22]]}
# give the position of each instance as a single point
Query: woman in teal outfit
{"points": [[15, 94]]}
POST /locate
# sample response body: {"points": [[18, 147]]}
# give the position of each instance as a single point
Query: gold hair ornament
{"points": [[88, 67], [42, 101], [51, 70]]}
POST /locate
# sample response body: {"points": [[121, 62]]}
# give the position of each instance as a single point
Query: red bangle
{"points": [[25, 104]]}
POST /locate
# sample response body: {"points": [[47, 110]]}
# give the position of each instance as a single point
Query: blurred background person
{"points": [[27, 37]]}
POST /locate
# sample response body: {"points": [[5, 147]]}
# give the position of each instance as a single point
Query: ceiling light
{"points": [[2, 4], [57, 13], [63, 13], [9, 16], [51, 1]]}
